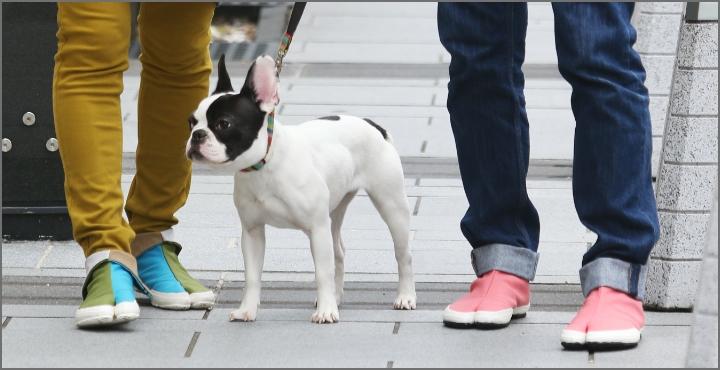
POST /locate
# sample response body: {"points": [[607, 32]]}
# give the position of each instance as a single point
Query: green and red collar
{"points": [[270, 126]]}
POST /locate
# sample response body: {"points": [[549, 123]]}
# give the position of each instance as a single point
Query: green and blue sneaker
{"points": [[170, 286], [108, 292]]}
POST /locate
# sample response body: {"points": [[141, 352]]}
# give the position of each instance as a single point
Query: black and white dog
{"points": [[301, 177]]}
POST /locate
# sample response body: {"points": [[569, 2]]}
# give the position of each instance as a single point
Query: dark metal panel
{"points": [[32, 174]]}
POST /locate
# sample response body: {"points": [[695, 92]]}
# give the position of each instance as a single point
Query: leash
{"points": [[295, 15], [293, 22]]}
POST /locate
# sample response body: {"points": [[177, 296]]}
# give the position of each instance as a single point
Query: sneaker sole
{"points": [[486, 320], [202, 300], [170, 301]]}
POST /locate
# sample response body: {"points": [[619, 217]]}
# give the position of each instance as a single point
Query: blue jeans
{"points": [[612, 183]]}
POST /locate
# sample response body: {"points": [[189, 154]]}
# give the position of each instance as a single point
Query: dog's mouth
{"points": [[194, 154]]}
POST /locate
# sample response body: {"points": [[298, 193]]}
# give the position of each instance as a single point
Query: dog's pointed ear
{"points": [[262, 82], [223, 84]]}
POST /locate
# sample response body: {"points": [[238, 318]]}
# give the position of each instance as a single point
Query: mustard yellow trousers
{"points": [[92, 54]]}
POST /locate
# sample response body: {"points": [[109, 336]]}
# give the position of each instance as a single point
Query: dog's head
{"points": [[229, 126]]}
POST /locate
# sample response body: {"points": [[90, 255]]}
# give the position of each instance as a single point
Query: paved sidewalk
{"points": [[378, 60], [44, 336]]}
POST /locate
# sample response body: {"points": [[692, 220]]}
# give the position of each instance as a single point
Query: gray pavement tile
{"points": [[52, 272], [363, 110], [211, 256], [351, 28], [440, 235], [347, 316], [365, 52], [549, 184], [435, 191], [432, 345], [388, 9], [557, 279], [457, 183], [211, 188], [359, 82], [65, 255], [38, 311], [379, 295], [661, 346], [280, 338], [558, 220], [353, 95], [560, 258], [34, 342], [668, 318], [68, 311], [23, 254], [440, 245], [293, 344], [451, 261]]}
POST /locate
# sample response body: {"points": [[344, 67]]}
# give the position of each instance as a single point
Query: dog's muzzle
{"points": [[198, 138]]}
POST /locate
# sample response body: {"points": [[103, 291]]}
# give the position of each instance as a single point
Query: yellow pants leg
{"points": [[93, 41], [176, 69]]}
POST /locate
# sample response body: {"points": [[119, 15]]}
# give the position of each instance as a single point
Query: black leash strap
{"points": [[295, 16]]}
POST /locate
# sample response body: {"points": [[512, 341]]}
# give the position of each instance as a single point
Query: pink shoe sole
{"points": [[601, 340], [483, 319]]}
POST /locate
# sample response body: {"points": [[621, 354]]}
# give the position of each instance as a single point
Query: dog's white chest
{"points": [[269, 204]]}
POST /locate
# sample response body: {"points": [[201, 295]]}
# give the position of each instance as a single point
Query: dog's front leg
{"points": [[321, 245], [253, 250]]}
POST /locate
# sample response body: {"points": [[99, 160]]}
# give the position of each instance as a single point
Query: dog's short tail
{"points": [[383, 132]]}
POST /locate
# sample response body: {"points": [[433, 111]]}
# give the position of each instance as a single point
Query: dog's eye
{"points": [[222, 124], [192, 122]]}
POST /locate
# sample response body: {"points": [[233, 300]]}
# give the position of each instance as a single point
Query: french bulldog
{"points": [[301, 177]]}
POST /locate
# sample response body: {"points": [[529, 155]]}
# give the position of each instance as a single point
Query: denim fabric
{"points": [[518, 261], [612, 183], [613, 273]]}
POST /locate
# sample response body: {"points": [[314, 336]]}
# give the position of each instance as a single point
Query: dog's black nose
{"points": [[199, 136]]}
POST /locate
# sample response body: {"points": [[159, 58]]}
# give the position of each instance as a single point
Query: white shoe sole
{"points": [[600, 339], [483, 319], [573, 339], [170, 301], [106, 315], [202, 300]]}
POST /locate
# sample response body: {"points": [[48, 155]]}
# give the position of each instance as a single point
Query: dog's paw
{"points": [[326, 316], [243, 315], [404, 302]]}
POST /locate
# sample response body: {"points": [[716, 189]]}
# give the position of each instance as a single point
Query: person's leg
{"points": [[175, 75], [612, 182], [93, 41], [489, 122]]}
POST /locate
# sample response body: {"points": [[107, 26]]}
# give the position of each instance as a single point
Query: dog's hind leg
{"points": [[390, 200], [336, 220]]}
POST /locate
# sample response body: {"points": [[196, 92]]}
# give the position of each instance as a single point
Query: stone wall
{"points": [[687, 175], [658, 25]]}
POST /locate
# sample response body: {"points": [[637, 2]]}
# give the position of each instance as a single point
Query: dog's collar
{"points": [[270, 125]]}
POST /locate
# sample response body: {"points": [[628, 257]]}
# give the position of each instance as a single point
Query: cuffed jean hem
{"points": [[616, 274], [518, 261]]}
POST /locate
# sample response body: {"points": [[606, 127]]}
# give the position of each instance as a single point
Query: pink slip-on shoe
{"points": [[495, 298], [608, 319]]}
